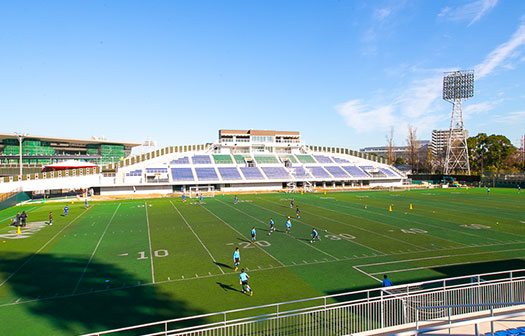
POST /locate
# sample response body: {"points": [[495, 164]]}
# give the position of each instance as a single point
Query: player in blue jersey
{"points": [[386, 282], [235, 200], [66, 210], [86, 203], [243, 281], [272, 228], [288, 225], [315, 235], [236, 258], [254, 234], [183, 198], [297, 213], [200, 199]]}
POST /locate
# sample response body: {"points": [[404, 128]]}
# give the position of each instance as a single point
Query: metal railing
{"points": [[349, 313]]}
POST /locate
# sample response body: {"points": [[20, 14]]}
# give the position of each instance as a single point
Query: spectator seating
{"points": [[252, 173], [336, 171], [388, 172], [239, 159], [339, 160], [230, 173], [206, 174], [298, 172], [182, 160], [323, 159], [182, 174], [305, 158], [201, 159], [355, 171], [265, 159], [156, 170], [289, 157], [276, 172], [319, 172], [222, 159], [136, 172]]}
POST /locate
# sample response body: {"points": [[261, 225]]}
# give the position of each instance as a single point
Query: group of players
{"points": [[243, 277]]}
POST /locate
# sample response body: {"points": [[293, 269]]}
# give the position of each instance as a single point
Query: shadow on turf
{"points": [[228, 287], [50, 280], [223, 265]]}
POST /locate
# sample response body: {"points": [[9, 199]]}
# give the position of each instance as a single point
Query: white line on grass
{"points": [[149, 240], [257, 219], [200, 241], [368, 275], [28, 210], [43, 247], [240, 234], [95, 250]]}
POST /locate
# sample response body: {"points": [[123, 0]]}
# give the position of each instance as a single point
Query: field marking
{"points": [[361, 228], [44, 246], [95, 250], [149, 240], [365, 273], [257, 219], [10, 217], [200, 241], [213, 276], [240, 234], [425, 224]]}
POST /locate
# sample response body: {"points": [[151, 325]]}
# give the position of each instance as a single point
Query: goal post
{"points": [[205, 191]]}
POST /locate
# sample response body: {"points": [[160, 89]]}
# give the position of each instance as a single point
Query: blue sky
{"points": [[340, 72]]}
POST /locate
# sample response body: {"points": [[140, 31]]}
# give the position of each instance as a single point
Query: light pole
{"points": [[20, 137]]}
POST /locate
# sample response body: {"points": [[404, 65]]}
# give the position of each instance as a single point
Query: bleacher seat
{"points": [[355, 171], [336, 171], [137, 172], [298, 172], [276, 172], [339, 160], [252, 173], [222, 159], [206, 174], [156, 170], [182, 174], [201, 159], [182, 160], [289, 157], [239, 159], [323, 159], [319, 172], [388, 172], [305, 158], [230, 173], [262, 159]]}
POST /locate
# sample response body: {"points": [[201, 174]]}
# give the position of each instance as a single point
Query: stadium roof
{"points": [[257, 132]]}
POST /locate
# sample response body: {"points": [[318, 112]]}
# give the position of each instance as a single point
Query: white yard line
{"points": [[368, 275], [240, 234], [257, 219], [200, 241], [95, 250], [43, 247], [28, 210], [149, 240]]}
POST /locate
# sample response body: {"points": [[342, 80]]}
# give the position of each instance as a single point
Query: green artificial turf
{"points": [[123, 263]]}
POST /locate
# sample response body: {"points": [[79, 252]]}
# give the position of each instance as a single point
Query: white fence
{"points": [[353, 312]]}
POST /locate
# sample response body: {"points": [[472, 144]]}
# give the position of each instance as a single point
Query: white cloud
{"points": [[480, 107], [417, 100], [511, 118], [382, 13], [472, 11], [501, 53], [363, 118]]}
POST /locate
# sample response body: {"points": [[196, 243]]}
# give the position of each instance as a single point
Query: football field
{"points": [[127, 262]]}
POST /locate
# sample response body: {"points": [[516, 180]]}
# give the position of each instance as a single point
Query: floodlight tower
{"points": [[457, 86]]}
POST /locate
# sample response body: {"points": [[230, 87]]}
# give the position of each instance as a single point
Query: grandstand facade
{"points": [[240, 160]]}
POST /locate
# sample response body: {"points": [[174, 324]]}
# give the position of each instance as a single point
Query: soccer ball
{"points": [[269, 233]]}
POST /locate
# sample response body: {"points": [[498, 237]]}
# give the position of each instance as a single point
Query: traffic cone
{"points": [[325, 193], [410, 206], [18, 231], [390, 208]]}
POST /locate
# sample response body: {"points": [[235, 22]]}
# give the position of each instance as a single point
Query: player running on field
{"points": [[236, 258], [235, 200], [253, 235], [288, 225], [86, 203], [272, 228], [297, 213], [183, 198], [200, 199], [315, 235], [66, 210], [50, 218], [243, 280], [291, 203]]}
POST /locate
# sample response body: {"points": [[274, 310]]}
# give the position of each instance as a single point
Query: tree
{"points": [[399, 161], [412, 148], [390, 146], [493, 152]]}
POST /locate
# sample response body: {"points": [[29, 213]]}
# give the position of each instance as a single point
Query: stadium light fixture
{"points": [[20, 137]]}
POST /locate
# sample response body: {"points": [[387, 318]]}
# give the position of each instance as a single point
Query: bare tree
{"points": [[390, 146], [413, 147]]}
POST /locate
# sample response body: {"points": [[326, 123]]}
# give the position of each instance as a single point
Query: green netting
{"points": [[13, 200], [305, 158], [222, 158]]}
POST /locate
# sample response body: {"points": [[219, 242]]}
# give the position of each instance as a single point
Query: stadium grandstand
{"points": [[240, 160], [40, 151]]}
